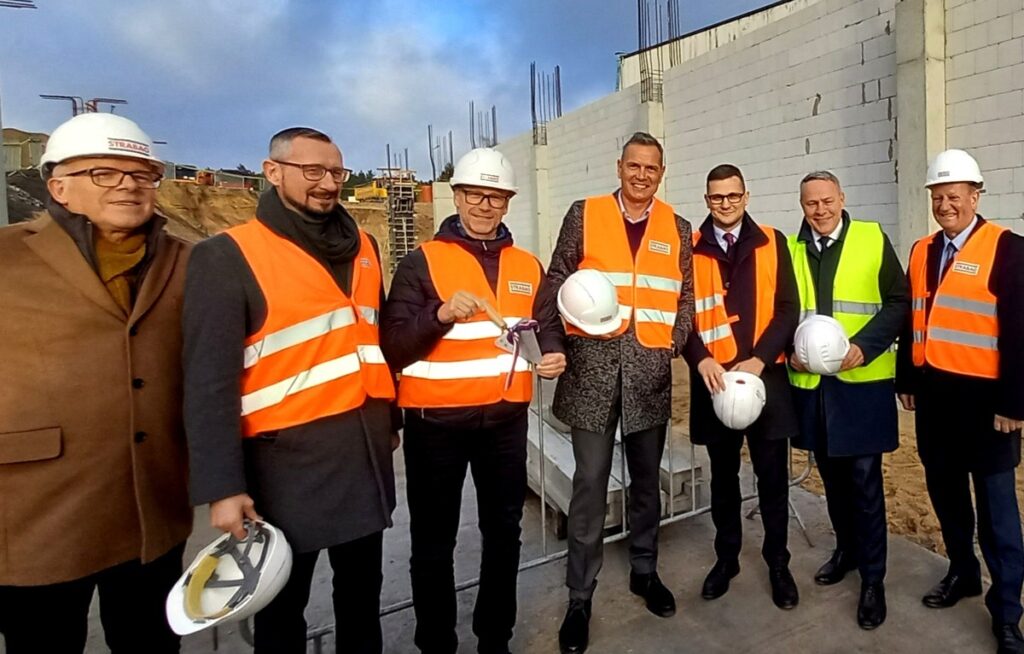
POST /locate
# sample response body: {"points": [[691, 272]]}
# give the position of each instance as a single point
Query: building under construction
{"points": [[400, 185]]}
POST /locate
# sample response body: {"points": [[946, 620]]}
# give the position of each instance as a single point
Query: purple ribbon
{"points": [[512, 336]]}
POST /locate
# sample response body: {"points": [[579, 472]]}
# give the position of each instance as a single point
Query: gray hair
{"points": [[821, 176], [281, 143]]}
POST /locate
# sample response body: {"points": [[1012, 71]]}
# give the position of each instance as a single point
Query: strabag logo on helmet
{"points": [[487, 177], [520, 288], [127, 145]]}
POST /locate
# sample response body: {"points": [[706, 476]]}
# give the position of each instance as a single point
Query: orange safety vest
{"points": [[713, 323], [648, 285], [317, 353], [960, 334], [466, 367]]}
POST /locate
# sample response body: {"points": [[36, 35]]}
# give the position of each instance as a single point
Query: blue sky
{"points": [[217, 79]]}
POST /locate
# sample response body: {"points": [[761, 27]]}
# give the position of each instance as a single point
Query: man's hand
{"points": [[227, 514], [551, 365], [711, 371], [462, 306], [795, 364], [752, 365], [1007, 425], [396, 440], [853, 358], [907, 400]]}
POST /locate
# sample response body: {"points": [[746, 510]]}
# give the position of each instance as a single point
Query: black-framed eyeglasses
{"points": [[719, 198], [316, 172], [476, 197], [112, 177]]}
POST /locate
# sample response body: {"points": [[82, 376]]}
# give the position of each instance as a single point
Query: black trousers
{"points": [[999, 530], [593, 454], [436, 458], [55, 618], [280, 628], [856, 506], [771, 465]]}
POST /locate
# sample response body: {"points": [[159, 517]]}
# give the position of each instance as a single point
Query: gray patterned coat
{"points": [[585, 390]]}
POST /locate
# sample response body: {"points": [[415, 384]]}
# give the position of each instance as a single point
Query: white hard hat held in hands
{"points": [[588, 301], [954, 166], [741, 403], [97, 135], [230, 580], [820, 344], [485, 167]]}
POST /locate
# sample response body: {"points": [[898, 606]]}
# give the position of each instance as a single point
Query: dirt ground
{"points": [[907, 505]]}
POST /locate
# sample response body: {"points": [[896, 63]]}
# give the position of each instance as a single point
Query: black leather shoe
{"points": [[574, 635], [784, 592], [835, 568], [1009, 638], [716, 583], [871, 607], [659, 599], [951, 590]]}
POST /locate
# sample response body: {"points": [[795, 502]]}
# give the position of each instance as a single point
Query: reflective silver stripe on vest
{"points": [[963, 338], [472, 369], [315, 376], [620, 278], [710, 302], [857, 308], [369, 314], [807, 313], [472, 331], [370, 354], [980, 307], [716, 334], [654, 315], [918, 303], [918, 336], [302, 332], [659, 283]]}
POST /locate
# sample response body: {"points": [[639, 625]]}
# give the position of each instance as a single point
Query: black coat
{"points": [[409, 328], [583, 397], [323, 483], [845, 419], [955, 412], [778, 420]]}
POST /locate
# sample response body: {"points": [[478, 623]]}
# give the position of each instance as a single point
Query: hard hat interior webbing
{"points": [[204, 575]]}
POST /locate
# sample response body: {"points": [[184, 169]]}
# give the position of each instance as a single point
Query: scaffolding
{"points": [[401, 187]]}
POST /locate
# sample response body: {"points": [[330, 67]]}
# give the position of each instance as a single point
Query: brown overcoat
{"points": [[93, 464]]}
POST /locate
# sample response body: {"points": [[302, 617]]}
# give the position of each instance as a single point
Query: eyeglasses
{"points": [[475, 198], [733, 198], [316, 172], [112, 177]]}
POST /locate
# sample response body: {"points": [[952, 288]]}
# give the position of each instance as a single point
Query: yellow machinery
{"points": [[375, 191]]}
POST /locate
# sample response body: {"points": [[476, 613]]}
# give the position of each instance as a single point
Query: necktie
{"points": [[950, 255], [730, 240], [824, 242]]}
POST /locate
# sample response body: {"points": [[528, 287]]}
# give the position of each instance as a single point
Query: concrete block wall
{"points": [[985, 98], [813, 90], [522, 214]]}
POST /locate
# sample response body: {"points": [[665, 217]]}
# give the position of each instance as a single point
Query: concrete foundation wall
{"points": [[985, 98], [814, 90]]}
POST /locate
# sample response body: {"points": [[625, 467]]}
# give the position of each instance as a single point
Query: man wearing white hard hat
{"points": [[93, 462], [466, 399], [288, 399], [619, 376], [961, 368], [847, 270], [746, 302]]}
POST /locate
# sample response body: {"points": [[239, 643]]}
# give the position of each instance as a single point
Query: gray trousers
{"points": [[593, 453]]}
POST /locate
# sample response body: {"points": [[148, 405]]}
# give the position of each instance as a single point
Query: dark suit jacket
{"points": [[955, 412], [778, 420]]}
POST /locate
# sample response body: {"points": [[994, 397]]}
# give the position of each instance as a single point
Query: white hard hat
{"points": [[742, 401], [953, 166], [588, 300], [820, 344], [485, 167], [230, 580], [97, 135]]}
